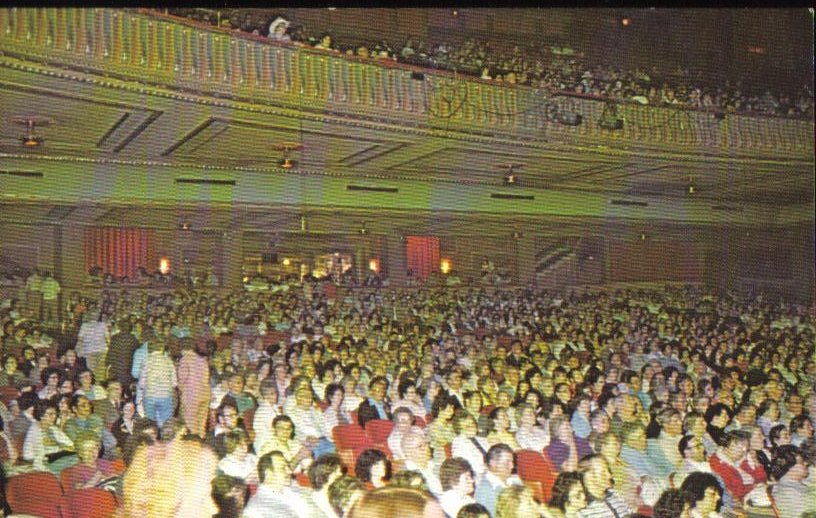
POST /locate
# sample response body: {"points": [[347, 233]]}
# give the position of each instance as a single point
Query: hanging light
{"points": [[286, 161], [30, 139]]}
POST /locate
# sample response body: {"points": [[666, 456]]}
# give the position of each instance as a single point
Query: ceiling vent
{"points": [[367, 188], [520, 197], [204, 181], [629, 203], [23, 174]]}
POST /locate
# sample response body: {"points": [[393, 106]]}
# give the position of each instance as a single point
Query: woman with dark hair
{"points": [[334, 413], [51, 380], [568, 494], [778, 436], [671, 504], [440, 431], [373, 468], [703, 495], [717, 417], [792, 495]]}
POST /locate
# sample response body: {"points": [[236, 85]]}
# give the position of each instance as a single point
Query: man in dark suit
{"points": [[375, 406], [120, 354]]}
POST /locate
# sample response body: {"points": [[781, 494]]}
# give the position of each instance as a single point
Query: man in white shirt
{"points": [[92, 344], [418, 458], [500, 463], [457, 481], [267, 411], [276, 495]]}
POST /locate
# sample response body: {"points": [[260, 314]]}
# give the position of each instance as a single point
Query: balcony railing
{"points": [[163, 50]]}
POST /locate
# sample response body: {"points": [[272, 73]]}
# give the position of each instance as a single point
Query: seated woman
{"points": [[409, 398], [309, 422], [10, 376], [703, 494], [568, 495], [530, 435], [440, 431], [467, 444], [335, 413], [91, 470], [500, 432], [123, 427], [84, 422], [562, 450], [517, 502], [373, 468], [51, 383], [46, 446], [239, 462]]}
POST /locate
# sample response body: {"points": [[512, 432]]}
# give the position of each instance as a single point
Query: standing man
{"points": [[50, 299], [33, 295], [92, 343]]}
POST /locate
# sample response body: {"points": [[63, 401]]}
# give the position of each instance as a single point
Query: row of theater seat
{"points": [[40, 494]]}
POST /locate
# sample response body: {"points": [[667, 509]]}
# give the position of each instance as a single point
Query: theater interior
{"points": [[153, 152]]}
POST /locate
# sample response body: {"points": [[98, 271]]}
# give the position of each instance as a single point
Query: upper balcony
{"points": [[152, 48]]}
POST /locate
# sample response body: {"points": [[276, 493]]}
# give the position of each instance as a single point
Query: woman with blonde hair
{"points": [[168, 480], [517, 502], [396, 502]]}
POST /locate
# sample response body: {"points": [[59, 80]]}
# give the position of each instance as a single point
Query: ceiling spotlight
{"points": [[511, 178], [691, 188], [625, 21], [30, 139], [287, 162]]}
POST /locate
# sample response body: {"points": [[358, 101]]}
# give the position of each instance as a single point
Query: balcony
{"points": [[171, 53]]}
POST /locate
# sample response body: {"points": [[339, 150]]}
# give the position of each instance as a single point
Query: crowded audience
{"points": [[538, 65], [636, 402]]}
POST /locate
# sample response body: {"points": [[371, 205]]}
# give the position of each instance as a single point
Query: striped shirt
{"points": [[613, 506]]}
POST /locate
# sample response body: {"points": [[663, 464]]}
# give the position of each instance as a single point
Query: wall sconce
{"points": [[374, 265], [164, 265], [445, 266]]}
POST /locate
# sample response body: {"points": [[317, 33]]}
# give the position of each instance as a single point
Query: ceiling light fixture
{"points": [[511, 178], [286, 161], [30, 139]]}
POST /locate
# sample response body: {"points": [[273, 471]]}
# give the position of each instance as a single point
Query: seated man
{"points": [[276, 495], [417, 453], [499, 475], [604, 501], [457, 482], [375, 406]]}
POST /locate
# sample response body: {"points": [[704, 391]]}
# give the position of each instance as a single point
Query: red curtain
{"points": [[120, 251], [423, 255]]}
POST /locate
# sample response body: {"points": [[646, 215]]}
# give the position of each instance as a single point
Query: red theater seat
{"points": [[88, 503], [534, 467], [36, 494]]}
